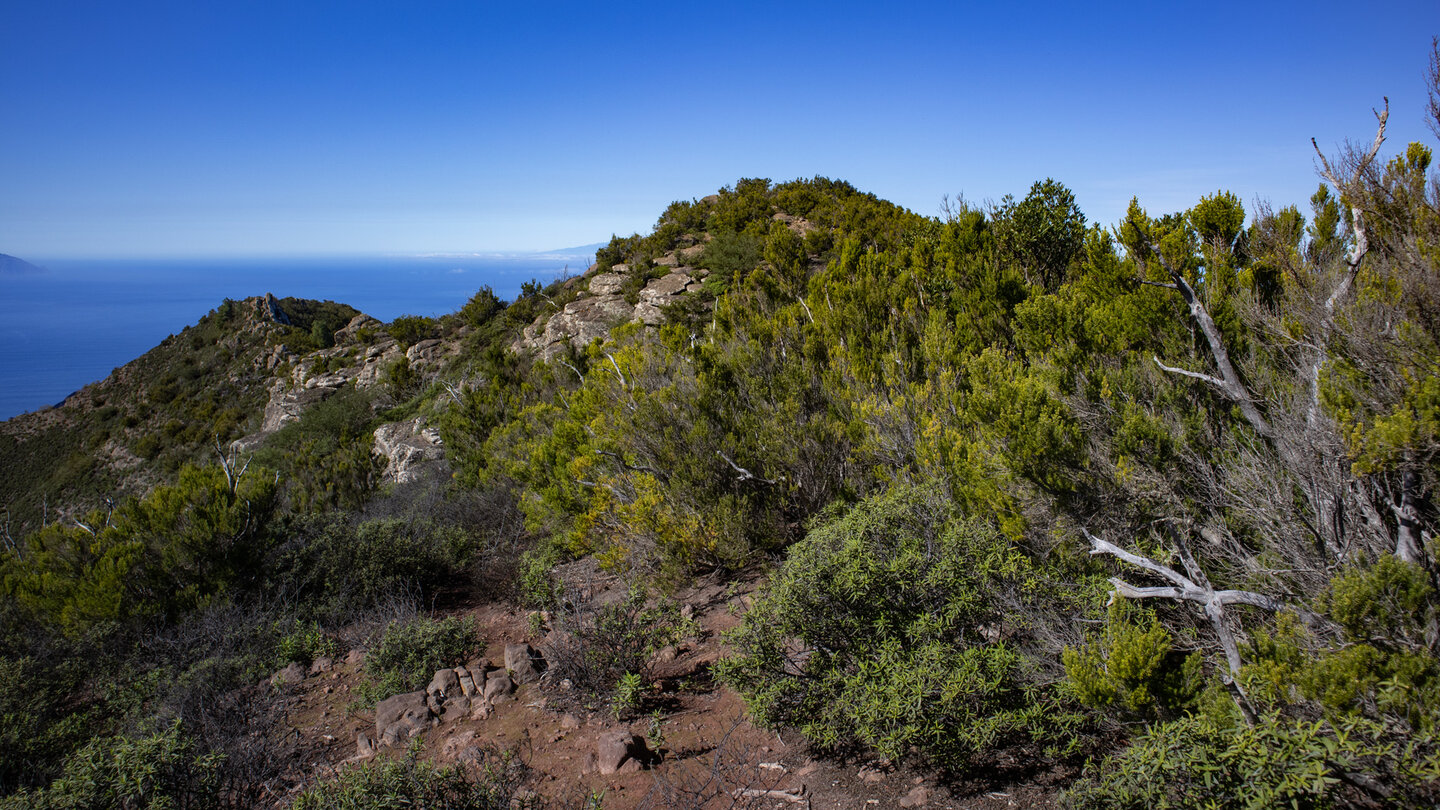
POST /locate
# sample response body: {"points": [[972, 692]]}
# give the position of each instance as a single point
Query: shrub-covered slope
{"points": [[1026, 487]]}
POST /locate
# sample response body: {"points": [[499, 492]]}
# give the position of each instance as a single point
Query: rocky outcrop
{"points": [[408, 448], [273, 310], [602, 306], [662, 292]]}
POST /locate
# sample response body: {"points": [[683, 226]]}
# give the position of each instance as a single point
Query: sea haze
{"points": [[79, 319]]}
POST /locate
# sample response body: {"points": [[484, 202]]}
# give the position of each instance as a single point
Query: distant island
{"points": [[12, 264]]}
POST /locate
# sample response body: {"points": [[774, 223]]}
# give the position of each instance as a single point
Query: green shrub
{"points": [[340, 568], [305, 642], [886, 628], [411, 783], [411, 329], [159, 771], [1133, 669], [1202, 762], [410, 652]]}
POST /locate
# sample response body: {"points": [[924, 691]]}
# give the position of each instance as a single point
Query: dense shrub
{"points": [[412, 783], [1199, 762], [158, 771], [897, 626], [410, 652], [335, 568]]}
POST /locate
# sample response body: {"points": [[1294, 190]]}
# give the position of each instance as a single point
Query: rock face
{"points": [[662, 292], [407, 448], [602, 307]]}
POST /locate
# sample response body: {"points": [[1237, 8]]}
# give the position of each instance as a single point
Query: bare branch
{"points": [[745, 475], [616, 366], [1228, 383], [631, 467], [1205, 378]]}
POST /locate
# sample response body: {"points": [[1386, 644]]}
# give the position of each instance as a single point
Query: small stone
{"points": [[917, 797], [569, 721], [322, 664]]}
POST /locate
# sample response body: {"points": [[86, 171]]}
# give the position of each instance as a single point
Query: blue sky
{"points": [[248, 127]]}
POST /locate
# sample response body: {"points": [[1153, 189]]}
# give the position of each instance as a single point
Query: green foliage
{"points": [[1133, 668], [303, 642], [1043, 232], [158, 771], [409, 653], [629, 694], [1196, 762], [325, 458], [1390, 599], [482, 307], [887, 628], [382, 784], [166, 554], [727, 255], [40, 724], [411, 329], [342, 567]]}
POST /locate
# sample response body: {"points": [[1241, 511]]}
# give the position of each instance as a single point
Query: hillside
{"points": [[15, 264], [799, 498]]}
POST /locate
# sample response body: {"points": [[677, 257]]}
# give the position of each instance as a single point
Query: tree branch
{"points": [[1228, 383]]}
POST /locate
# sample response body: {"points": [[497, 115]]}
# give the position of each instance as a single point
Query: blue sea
{"points": [[75, 321]]}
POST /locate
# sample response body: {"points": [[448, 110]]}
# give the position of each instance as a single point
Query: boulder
{"points": [[444, 683], [616, 749], [400, 717], [498, 685], [660, 293], [524, 663], [456, 707], [294, 673], [610, 283]]}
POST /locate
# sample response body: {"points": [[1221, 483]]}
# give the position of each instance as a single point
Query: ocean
{"points": [[76, 321]]}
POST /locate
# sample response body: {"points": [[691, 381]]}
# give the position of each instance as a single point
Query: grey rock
{"points": [[615, 749], [294, 673], [407, 447], [400, 717], [524, 663], [498, 685], [444, 683]]}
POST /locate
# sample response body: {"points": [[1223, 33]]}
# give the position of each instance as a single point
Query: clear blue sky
{"points": [[209, 127]]}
